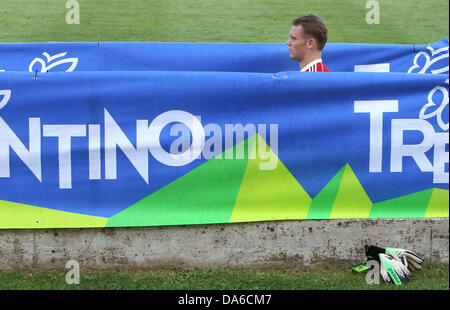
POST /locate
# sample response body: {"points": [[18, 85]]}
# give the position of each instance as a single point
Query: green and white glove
{"points": [[394, 263], [393, 271], [406, 257]]}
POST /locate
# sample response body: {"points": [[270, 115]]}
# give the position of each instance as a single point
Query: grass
{"points": [[432, 277], [401, 21]]}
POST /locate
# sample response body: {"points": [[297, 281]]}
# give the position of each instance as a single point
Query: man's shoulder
{"points": [[316, 66]]}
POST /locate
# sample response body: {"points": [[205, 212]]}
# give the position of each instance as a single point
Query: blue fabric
{"points": [[224, 57], [319, 128]]}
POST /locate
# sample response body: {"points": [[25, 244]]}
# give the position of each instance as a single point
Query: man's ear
{"points": [[311, 43]]}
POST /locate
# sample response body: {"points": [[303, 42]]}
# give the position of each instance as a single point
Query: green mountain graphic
{"points": [[238, 190], [224, 190], [269, 194], [342, 197], [204, 195], [322, 204], [351, 200]]}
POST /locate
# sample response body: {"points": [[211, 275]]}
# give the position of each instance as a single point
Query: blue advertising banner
{"points": [[223, 57], [145, 134], [95, 149]]}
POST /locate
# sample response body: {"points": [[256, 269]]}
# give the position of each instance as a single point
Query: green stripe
{"points": [[409, 206], [390, 270], [17, 215], [438, 206]]}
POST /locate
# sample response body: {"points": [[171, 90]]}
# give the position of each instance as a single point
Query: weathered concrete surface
{"points": [[281, 244]]}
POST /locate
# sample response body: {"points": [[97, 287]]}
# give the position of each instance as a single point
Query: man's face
{"points": [[298, 45]]}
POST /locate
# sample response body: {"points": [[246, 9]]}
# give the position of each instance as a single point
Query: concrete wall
{"points": [[280, 244]]}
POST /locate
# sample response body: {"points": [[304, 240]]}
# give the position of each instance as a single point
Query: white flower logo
{"points": [[429, 60], [439, 111], [6, 93], [46, 66]]}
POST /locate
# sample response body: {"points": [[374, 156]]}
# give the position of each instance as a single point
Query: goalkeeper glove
{"points": [[393, 271], [406, 257]]}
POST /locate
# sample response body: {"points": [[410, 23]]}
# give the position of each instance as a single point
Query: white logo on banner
{"points": [[426, 61], [429, 60], [148, 140], [47, 66], [383, 67], [399, 149], [440, 110], [6, 94]]}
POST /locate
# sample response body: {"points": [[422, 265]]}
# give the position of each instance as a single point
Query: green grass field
{"points": [[401, 21], [433, 277]]}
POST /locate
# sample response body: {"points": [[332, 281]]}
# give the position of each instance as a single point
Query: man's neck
{"points": [[311, 58]]}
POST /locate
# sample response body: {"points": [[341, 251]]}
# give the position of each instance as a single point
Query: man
{"points": [[307, 39]]}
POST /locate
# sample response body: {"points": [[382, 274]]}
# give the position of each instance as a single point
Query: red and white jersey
{"points": [[315, 66]]}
